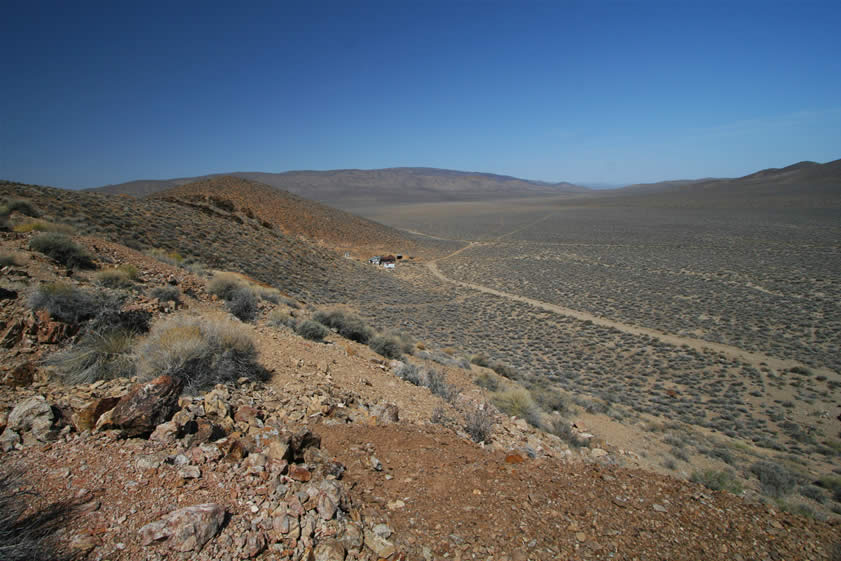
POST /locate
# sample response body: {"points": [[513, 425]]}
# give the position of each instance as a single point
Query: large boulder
{"points": [[33, 419], [147, 405], [186, 529]]}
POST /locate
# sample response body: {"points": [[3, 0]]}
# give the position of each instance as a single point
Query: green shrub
{"points": [[242, 303], [774, 479], [388, 347], [201, 350], [97, 356], [67, 303], [718, 480], [312, 330], [346, 324], [518, 403], [63, 250], [479, 423], [166, 294]]}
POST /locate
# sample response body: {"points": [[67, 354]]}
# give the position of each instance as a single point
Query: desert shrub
{"points": [[269, 294], [518, 403], [67, 303], [505, 370], [63, 250], [479, 423], [407, 343], [563, 429], [96, 356], [8, 260], [23, 207], [388, 347], [169, 257], [43, 226], [278, 318], [166, 294], [412, 373], [437, 383], [717, 480], [487, 381], [201, 350], [223, 285], [312, 330], [347, 325], [28, 534], [550, 399], [243, 303], [813, 492], [480, 360], [114, 278], [774, 479], [110, 317]]}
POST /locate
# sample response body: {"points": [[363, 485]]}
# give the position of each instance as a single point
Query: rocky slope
{"points": [[332, 457]]}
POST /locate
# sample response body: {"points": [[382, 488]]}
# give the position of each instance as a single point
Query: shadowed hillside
{"points": [[294, 215]]}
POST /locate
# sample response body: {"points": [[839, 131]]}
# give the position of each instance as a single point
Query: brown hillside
{"points": [[294, 215]]}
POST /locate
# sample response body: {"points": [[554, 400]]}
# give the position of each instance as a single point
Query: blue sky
{"points": [[615, 92]]}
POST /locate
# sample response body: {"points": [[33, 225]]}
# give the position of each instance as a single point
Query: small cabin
{"points": [[375, 260]]}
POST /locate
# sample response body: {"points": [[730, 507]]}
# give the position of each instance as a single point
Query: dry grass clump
{"points": [[123, 276], [97, 356], [70, 304], [63, 250], [518, 403], [434, 380], [43, 226], [201, 350], [27, 535]]}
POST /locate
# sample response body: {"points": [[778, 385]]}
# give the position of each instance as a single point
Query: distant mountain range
{"points": [[802, 184], [352, 188]]}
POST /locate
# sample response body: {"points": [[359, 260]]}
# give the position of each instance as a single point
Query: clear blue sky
{"points": [[105, 92]]}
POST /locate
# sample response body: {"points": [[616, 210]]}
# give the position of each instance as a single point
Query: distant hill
{"points": [[352, 188], [801, 185], [293, 215]]}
